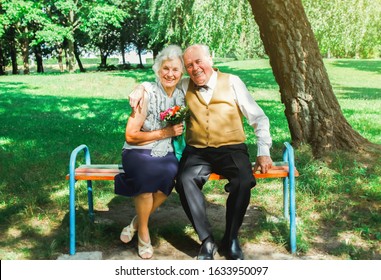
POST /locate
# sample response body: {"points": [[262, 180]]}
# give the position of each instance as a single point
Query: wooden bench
{"points": [[95, 172]]}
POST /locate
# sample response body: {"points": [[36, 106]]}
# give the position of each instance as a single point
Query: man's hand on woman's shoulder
{"points": [[136, 97]]}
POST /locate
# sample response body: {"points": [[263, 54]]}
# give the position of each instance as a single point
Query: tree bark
{"points": [[39, 60], [13, 52], [24, 42], [70, 43], [103, 59], [313, 113], [70, 56], [140, 59], [78, 58], [60, 58], [2, 62]]}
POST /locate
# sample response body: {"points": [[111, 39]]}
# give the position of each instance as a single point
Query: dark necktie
{"points": [[205, 87]]}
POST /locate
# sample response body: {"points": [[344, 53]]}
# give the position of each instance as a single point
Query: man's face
{"points": [[198, 65]]}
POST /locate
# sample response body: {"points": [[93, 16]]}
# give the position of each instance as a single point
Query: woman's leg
{"points": [[158, 199], [143, 206]]}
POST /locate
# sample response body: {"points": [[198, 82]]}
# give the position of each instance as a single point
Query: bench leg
{"points": [[292, 216], [90, 200], [289, 194], [72, 162], [286, 193], [72, 214]]}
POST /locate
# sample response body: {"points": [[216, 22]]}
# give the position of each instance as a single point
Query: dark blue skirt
{"points": [[145, 173]]}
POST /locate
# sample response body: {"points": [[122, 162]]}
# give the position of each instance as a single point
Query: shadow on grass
{"points": [[37, 136], [362, 64], [168, 223], [346, 198], [350, 232], [354, 93]]}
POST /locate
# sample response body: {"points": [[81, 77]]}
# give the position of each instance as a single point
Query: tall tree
{"points": [[3, 23], [103, 25], [69, 14], [137, 26], [312, 110]]}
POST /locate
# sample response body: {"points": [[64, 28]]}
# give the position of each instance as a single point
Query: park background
{"points": [[64, 99]]}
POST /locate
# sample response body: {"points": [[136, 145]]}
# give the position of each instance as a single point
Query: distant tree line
{"points": [[67, 29]]}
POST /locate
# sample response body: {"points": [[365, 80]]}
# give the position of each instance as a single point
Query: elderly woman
{"points": [[148, 156]]}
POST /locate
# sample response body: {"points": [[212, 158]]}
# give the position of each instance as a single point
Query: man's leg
{"points": [[235, 165], [193, 172]]}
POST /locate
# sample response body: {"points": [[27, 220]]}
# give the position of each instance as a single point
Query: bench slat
{"points": [[108, 172]]}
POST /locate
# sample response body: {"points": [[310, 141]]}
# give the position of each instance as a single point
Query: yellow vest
{"points": [[218, 123]]}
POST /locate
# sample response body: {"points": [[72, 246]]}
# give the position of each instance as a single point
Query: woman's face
{"points": [[170, 73]]}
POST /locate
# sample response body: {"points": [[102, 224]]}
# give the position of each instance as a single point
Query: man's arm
{"points": [[258, 120], [136, 97]]}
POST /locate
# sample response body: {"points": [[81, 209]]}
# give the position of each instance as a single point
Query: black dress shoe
{"points": [[207, 250], [232, 250]]}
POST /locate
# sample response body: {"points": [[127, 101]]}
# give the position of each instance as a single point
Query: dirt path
{"points": [[171, 246]]}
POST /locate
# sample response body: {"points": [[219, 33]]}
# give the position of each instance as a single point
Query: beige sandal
{"points": [[145, 248], [128, 232]]}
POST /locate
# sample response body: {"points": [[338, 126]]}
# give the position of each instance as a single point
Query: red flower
{"points": [[174, 115]]}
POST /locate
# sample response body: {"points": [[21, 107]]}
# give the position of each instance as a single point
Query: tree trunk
{"points": [[2, 62], [25, 51], [78, 59], [39, 61], [70, 55], [312, 110], [60, 58], [13, 52], [103, 59], [140, 59], [70, 43]]}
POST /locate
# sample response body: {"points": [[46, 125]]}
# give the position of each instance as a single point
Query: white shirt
{"points": [[246, 103]]}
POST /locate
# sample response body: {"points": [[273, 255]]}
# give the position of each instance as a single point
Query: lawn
{"points": [[44, 117]]}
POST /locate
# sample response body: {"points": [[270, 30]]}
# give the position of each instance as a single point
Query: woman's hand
{"points": [[175, 130]]}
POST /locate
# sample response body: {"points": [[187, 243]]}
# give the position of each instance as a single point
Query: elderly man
{"points": [[215, 143]]}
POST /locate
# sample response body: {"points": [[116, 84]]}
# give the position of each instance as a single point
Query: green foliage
{"points": [[346, 28], [342, 28], [102, 25], [189, 22]]}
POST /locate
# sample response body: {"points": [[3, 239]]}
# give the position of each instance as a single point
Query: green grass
{"points": [[44, 116]]}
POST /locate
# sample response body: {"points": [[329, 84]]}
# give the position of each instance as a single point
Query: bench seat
{"points": [[107, 172]]}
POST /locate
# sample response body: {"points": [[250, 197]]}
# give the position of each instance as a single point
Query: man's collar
{"points": [[213, 80]]}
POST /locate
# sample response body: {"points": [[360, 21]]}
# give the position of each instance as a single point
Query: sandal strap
{"points": [[145, 247], [129, 230]]}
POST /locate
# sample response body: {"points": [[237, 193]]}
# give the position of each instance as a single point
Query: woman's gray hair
{"points": [[169, 53]]}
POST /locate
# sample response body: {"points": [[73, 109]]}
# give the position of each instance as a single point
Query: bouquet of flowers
{"points": [[174, 115]]}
